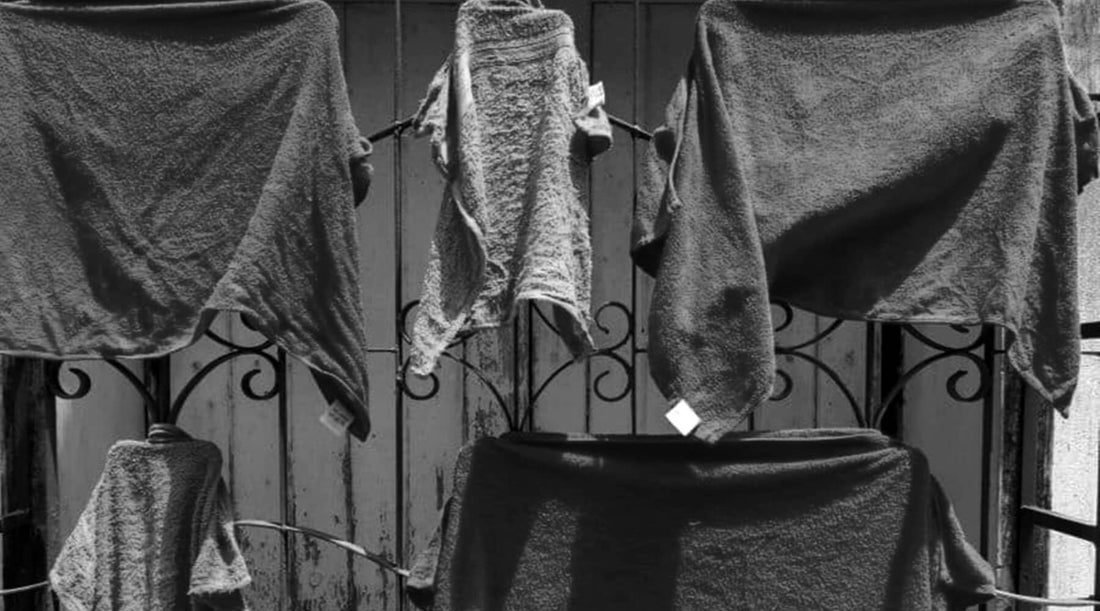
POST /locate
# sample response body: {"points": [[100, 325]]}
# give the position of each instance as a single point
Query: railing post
{"points": [[27, 434]]}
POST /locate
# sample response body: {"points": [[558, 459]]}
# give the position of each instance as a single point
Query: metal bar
{"points": [[400, 528], [27, 435], [1090, 330], [14, 519], [1096, 547], [632, 128], [1058, 522], [394, 129], [157, 380]]}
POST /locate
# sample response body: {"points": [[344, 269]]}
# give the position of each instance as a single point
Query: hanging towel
{"points": [[164, 162], [513, 130], [157, 535], [893, 161], [801, 519]]}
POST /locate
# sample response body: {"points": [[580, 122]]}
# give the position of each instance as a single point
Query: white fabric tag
{"points": [[337, 418], [595, 95], [683, 417]]}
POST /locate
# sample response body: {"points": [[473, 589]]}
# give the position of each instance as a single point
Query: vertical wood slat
{"points": [[320, 488], [612, 194], [27, 430], [947, 431], [434, 429], [1069, 447], [87, 428], [369, 61], [248, 434]]}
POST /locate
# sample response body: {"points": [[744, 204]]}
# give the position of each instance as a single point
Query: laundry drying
{"points": [[164, 162], [513, 129], [157, 533], [801, 519], [891, 161]]}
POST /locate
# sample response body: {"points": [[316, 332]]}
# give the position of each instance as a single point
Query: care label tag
{"points": [[683, 417], [337, 418], [595, 95]]}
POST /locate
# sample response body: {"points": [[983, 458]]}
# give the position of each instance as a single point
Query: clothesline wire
{"points": [[1048, 602], [20, 589], [393, 130], [396, 129], [633, 129], [386, 564], [378, 559]]}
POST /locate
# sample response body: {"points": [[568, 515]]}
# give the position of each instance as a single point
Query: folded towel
{"points": [[157, 534], [890, 161], [513, 130], [822, 519], [162, 162]]}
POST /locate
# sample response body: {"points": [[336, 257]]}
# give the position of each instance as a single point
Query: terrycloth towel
{"points": [[160, 163], [157, 535], [820, 519], [513, 130], [891, 161]]}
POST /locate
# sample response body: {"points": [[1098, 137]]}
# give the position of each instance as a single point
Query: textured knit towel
{"points": [[157, 535], [160, 163], [879, 160], [513, 131], [824, 519]]}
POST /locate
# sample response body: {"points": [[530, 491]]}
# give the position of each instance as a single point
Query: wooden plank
{"points": [[796, 378], [248, 432], [611, 209], [433, 429], [369, 61], [1075, 442], [27, 429], [319, 485], [845, 350], [949, 432], [87, 428]]}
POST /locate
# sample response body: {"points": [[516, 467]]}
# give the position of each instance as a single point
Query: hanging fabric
{"points": [[801, 519], [513, 125], [889, 161], [164, 162], [156, 534]]}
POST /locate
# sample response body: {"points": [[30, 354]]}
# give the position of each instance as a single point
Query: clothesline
{"points": [[387, 565], [634, 129], [378, 559], [398, 127]]}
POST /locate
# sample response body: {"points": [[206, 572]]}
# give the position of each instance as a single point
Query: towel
{"points": [[163, 162], [156, 535], [513, 130], [800, 519], [892, 161]]}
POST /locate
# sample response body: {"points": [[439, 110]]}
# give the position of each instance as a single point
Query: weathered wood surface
{"points": [[30, 481]]}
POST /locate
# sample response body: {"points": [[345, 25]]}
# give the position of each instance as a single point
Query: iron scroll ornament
{"points": [[618, 353], [161, 411], [869, 413]]}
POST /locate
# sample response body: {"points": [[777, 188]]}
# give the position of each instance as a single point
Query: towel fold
{"points": [[865, 160], [513, 130], [163, 162], [156, 535], [821, 519]]}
